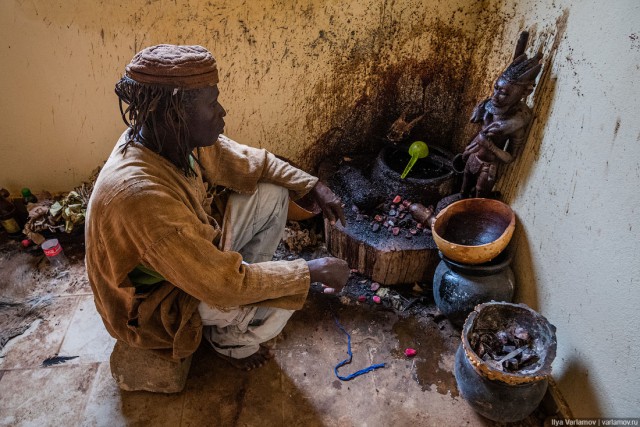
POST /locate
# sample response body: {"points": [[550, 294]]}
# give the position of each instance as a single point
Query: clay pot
{"points": [[458, 288], [495, 394], [474, 231], [430, 180]]}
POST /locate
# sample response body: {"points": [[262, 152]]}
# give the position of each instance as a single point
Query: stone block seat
{"points": [[135, 369]]}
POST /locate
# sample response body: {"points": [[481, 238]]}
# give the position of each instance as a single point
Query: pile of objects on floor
{"points": [[54, 214]]}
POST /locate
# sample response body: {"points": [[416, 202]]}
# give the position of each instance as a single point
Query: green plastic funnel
{"points": [[417, 150]]}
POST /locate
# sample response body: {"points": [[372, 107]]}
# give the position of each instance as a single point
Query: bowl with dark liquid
{"points": [[474, 231]]}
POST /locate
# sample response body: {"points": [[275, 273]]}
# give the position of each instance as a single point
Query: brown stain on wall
{"points": [[338, 77], [516, 174], [445, 86], [491, 53], [433, 85]]}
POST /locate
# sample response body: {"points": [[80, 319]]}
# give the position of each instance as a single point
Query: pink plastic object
{"points": [[362, 298], [410, 352], [376, 299]]}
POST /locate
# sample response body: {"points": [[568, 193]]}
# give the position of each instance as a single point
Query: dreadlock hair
{"points": [[153, 106]]}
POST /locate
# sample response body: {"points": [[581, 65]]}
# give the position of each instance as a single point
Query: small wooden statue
{"points": [[505, 117]]}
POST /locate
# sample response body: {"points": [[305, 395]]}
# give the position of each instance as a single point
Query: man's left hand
{"points": [[330, 204]]}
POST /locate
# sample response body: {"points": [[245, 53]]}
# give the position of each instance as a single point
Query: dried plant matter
{"points": [[400, 128], [64, 215], [296, 239]]}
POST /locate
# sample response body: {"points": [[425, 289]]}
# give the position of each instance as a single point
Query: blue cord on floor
{"points": [[347, 361]]}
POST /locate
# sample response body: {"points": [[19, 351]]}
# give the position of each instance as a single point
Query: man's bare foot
{"points": [[257, 359]]}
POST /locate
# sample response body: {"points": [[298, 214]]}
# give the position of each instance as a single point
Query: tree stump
{"points": [[390, 261]]}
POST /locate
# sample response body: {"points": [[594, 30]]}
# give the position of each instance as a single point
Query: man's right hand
{"points": [[331, 272]]}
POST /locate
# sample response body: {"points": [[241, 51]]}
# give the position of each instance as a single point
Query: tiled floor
{"points": [[297, 388]]}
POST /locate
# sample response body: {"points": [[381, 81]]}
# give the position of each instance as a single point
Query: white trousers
{"points": [[253, 225]]}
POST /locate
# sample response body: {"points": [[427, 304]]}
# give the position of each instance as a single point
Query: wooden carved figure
{"points": [[505, 117]]}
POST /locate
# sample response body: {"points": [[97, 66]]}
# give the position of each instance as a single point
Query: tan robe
{"points": [[144, 210]]}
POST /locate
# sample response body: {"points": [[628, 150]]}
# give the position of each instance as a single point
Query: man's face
{"points": [[205, 117], [506, 94]]}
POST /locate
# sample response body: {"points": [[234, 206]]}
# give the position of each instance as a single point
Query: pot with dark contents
{"points": [[430, 179], [504, 360]]}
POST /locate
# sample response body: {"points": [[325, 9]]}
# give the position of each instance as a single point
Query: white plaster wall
{"points": [[576, 195]]}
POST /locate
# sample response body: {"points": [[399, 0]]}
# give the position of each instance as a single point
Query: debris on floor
{"points": [[27, 282], [410, 352], [57, 214], [397, 326], [296, 238]]}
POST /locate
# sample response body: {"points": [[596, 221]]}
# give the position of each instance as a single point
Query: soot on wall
{"points": [[433, 85]]}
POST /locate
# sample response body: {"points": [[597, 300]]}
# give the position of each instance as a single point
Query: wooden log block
{"points": [[391, 261]]}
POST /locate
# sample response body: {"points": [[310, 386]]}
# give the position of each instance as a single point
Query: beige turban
{"points": [[185, 67]]}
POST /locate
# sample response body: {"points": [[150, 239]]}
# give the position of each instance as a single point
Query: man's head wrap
{"points": [[184, 67], [150, 90]]}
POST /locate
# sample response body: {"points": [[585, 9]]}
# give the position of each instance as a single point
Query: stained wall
{"points": [[574, 189], [292, 74]]}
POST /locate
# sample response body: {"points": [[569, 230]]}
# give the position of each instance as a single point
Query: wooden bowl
{"points": [[304, 208], [474, 231]]}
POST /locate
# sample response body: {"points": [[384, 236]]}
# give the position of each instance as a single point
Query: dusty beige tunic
{"points": [[144, 210]]}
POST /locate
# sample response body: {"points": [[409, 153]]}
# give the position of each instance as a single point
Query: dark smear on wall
{"points": [[515, 175], [490, 47], [432, 86], [445, 86], [617, 128]]}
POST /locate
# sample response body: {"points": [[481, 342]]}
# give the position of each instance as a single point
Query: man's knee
{"points": [[275, 193], [274, 200], [254, 223]]}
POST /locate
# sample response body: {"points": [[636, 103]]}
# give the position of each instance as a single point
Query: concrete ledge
{"points": [[135, 369]]}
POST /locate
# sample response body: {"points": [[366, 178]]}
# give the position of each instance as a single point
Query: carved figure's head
{"points": [[517, 81]]}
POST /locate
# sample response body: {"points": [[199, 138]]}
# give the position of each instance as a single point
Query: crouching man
{"points": [[183, 222]]}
